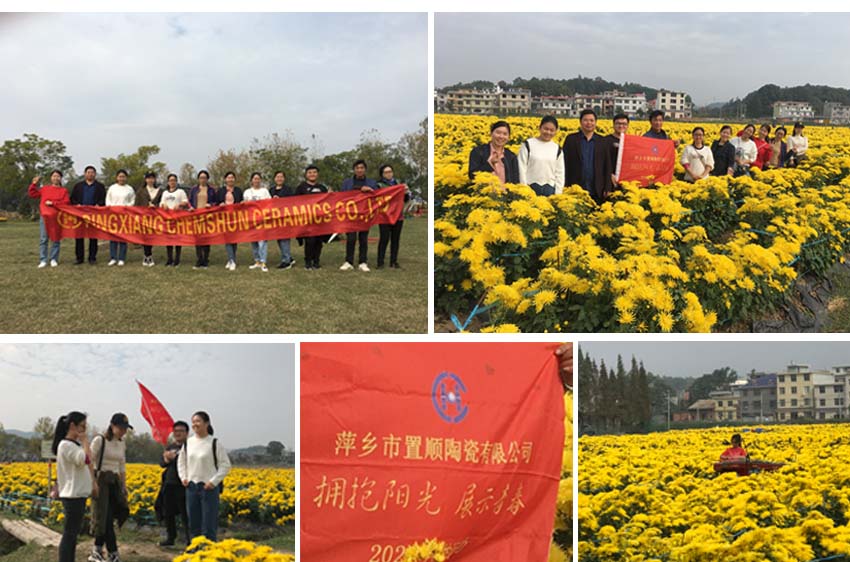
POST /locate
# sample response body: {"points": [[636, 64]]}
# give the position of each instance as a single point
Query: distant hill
{"points": [[558, 86], [19, 433], [758, 104]]}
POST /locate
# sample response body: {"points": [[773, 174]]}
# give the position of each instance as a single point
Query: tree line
{"points": [[31, 155], [558, 86]]}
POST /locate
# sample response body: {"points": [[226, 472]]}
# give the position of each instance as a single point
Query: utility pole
{"points": [[668, 410]]}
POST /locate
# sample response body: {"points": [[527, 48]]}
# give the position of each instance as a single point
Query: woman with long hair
{"points": [[541, 160], [230, 194], [119, 194], [109, 453], [259, 248], [202, 466], [49, 195], [74, 478], [390, 234]]}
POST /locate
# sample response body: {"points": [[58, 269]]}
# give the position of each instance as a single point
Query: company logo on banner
{"points": [[251, 221], [645, 160], [392, 454]]}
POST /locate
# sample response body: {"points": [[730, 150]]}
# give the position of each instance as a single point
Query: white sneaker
{"points": [[346, 267], [96, 556], [264, 268], [363, 267], [120, 263], [233, 266], [227, 265], [53, 263], [42, 264], [151, 263], [255, 266], [112, 262]]}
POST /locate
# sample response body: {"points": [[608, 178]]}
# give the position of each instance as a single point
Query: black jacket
{"points": [[307, 189], [603, 167], [222, 193], [170, 475], [99, 194], [724, 158], [284, 191], [478, 163]]}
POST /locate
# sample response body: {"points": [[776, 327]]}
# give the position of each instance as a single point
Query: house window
{"points": [[822, 389], [781, 390], [838, 402], [793, 390], [780, 378], [782, 403], [793, 402], [806, 377], [793, 378], [823, 401]]}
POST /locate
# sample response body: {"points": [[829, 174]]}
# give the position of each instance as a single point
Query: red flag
{"points": [[403, 442], [645, 160], [156, 415]]}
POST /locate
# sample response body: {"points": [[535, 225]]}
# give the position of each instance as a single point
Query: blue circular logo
{"points": [[447, 394]]}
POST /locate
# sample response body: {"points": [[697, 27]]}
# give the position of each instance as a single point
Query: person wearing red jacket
{"points": [[49, 195], [765, 150], [736, 452]]}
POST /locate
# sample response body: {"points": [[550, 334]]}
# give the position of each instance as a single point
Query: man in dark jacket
{"points": [[482, 157], [88, 192], [358, 182], [587, 159], [172, 492]]}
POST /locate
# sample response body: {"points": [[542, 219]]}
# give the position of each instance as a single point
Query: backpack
{"points": [[215, 458]]}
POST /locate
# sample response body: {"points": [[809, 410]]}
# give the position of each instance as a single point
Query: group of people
{"points": [[194, 469], [589, 159], [89, 191]]}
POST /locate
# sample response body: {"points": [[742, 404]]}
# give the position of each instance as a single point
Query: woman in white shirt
{"points": [[74, 482], [172, 199], [745, 151], [697, 158], [797, 146], [257, 193], [109, 454], [202, 467], [119, 194], [541, 160]]}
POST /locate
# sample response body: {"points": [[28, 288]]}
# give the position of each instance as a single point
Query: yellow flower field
{"points": [[204, 550], [257, 495], [680, 257], [656, 497]]}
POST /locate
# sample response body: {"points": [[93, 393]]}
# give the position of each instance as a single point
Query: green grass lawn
{"points": [[135, 299]]}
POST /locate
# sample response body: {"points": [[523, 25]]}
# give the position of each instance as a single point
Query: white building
{"points": [[836, 113], [675, 105], [439, 101], [513, 101], [795, 110], [554, 105]]}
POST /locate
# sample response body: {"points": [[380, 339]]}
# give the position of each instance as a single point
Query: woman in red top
{"points": [[50, 195], [763, 147], [736, 451]]}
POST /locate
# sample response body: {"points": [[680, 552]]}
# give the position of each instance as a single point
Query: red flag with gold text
{"points": [[645, 160], [156, 415], [403, 442]]}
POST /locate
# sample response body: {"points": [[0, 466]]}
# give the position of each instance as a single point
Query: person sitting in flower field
{"points": [[541, 160], [493, 157], [745, 151], [736, 452], [763, 148], [797, 145], [697, 158], [780, 149]]}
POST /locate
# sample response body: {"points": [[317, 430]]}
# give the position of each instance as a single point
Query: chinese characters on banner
{"points": [[645, 160], [402, 442]]}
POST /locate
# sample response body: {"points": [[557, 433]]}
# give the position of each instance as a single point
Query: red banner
{"points": [[404, 442], [645, 160], [271, 219], [156, 415]]}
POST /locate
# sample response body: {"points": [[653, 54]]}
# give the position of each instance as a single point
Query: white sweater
{"points": [[198, 465], [173, 199], [799, 144], [120, 195], [114, 455], [73, 479], [697, 159], [543, 166], [746, 150], [252, 194]]}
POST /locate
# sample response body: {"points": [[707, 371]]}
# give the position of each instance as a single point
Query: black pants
{"points": [[81, 249], [351, 239], [174, 504], [75, 510], [390, 234], [312, 250], [148, 251], [203, 253], [174, 253], [109, 538], [545, 190]]}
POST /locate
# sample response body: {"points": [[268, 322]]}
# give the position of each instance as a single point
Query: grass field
{"points": [[135, 299]]}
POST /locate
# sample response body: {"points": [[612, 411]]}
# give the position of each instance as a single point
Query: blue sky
{"points": [[193, 83], [712, 56], [248, 389]]}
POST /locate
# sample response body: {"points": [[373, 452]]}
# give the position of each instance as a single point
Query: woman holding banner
{"points": [[173, 198], [260, 248], [49, 195], [202, 467], [390, 234], [148, 196], [229, 195], [74, 482], [312, 244], [201, 197], [110, 470], [119, 194]]}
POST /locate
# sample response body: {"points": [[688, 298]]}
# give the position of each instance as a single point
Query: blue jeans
{"points": [[231, 252], [43, 241], [202, 508], [117, 251], [261, 250], [545, 190], [285, 253]]}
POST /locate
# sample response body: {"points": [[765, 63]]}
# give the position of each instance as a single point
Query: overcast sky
{"points": [[106, 84], [692, 359], [248, 390], [713, 56]]}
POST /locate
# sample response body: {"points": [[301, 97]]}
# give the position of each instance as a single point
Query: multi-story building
{"points": [[675, 105], [513, 101], [591, 101], [471, 101], [828, 396], [836, 113], [702, 410], [553, 105], [726, 404], [440, 99], [615, 101], [758, 398], [794, 393], [793, 110]]}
